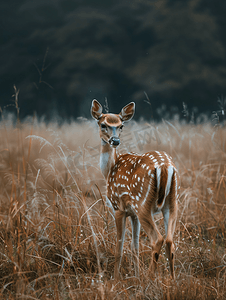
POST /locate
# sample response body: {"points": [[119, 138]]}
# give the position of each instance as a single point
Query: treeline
{"points": [[61, 54]]}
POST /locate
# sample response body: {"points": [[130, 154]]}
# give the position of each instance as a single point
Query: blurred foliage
{"points": [[61, 54]]}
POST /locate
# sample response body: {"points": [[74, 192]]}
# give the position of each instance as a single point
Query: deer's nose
{"points": [[114, 141]]}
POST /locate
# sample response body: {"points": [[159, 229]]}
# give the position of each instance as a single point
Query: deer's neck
{"points": [[107, 158]]}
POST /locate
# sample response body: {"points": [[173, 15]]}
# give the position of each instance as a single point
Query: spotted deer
{"points": [[138, 186]]}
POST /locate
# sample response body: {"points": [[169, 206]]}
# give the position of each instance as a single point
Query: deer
{"points": [[138, 186]]}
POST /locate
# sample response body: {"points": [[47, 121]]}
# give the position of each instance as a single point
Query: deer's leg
{"points": [[170, 222], [120, 220], [135, 242], [155, 237]]}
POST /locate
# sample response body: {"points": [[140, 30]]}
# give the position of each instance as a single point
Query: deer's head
{"points": [[111, 124]]}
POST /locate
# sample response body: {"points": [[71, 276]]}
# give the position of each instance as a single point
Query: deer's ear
{"points": [[127, 112], [96, 109]]}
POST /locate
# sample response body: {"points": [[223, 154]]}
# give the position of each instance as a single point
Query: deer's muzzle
{"points": [[114, 141]]}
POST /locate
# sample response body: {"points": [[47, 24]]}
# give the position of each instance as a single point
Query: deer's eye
{"points": [[121, 127], [103, 126]]}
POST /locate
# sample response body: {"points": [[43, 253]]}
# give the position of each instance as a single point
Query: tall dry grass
{"points": [[57, 234]]}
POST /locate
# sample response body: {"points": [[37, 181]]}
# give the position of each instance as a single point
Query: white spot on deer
{"points": [[138, 178], [168, 157], [125, 193], [137, 198], [149, 172], [139, 194]]}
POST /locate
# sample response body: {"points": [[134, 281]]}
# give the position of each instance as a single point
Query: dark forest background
{"points": [[61, 54]]}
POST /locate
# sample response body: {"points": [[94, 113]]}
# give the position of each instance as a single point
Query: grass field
{"points": [[57, 235]]}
